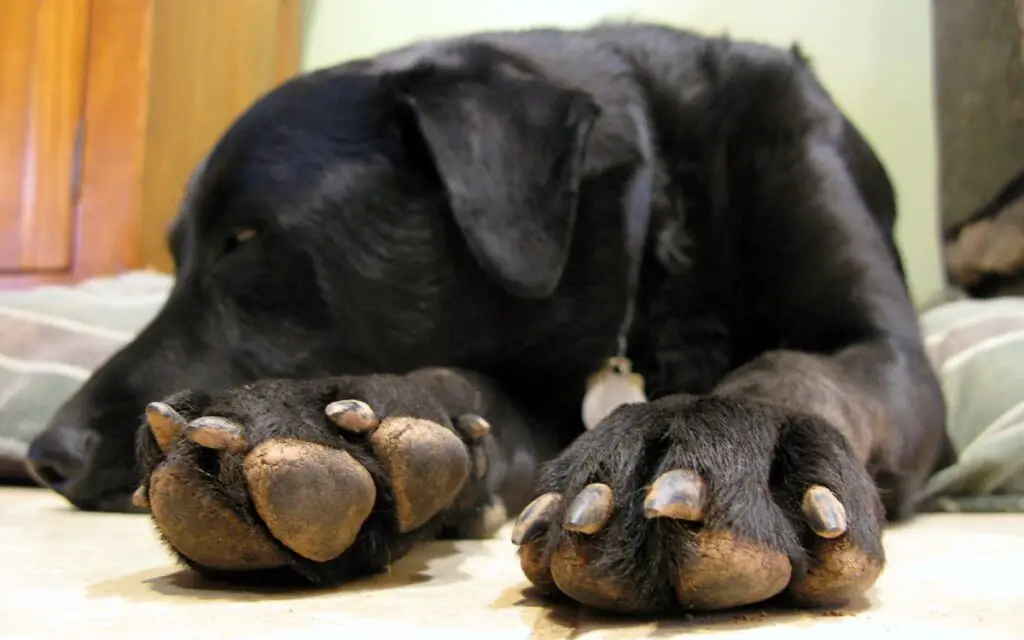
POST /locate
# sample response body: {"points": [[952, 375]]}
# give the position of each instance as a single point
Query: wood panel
{"points": [[42, 80], [290, 23], [202, 79], [145, 87], [108, 221]]}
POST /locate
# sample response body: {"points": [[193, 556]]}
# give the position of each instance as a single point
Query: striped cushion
{"points": [[52, 338], [977, 347]]}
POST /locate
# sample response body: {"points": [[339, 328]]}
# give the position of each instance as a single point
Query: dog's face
{"points": [[338, 227]]}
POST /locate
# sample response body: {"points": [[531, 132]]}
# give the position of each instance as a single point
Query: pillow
{"points": [[977, 348], [52, 338]]}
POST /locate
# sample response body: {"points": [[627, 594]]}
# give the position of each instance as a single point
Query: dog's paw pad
{"points": [[839, 572], [590, 510], [536, 567], [200, 523], [426, 464], [679, 494], [314, 499], [724, 571], [575, 572]]}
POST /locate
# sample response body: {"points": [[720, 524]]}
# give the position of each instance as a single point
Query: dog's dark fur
{"points": [[460, 204]]}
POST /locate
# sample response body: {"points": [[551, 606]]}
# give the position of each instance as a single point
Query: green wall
{"points": [[875, 57]]}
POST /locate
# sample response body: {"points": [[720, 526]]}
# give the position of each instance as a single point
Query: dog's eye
{"points": [[244, 235], [240, 237]]}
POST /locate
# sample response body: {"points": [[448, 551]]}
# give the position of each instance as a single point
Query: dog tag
{"points": [[614, 385]]}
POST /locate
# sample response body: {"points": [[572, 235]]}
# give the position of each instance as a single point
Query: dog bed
{"points": [[53, 337]]}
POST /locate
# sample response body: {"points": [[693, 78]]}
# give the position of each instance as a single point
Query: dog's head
{"points": [[354, 220]]}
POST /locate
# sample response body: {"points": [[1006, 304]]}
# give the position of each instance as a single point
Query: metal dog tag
{"points": [[614, 385]]}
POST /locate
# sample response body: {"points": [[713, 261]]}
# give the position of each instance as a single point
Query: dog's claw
{"points": [[535, 518], [472, 427], [680, 494], [352, 415], [591, 509], [214, 432], [140, 498], [825, 514], [165, 423]]}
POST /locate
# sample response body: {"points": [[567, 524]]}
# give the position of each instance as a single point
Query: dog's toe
{"points": [[576, 571], [726, 571], [201, 523], [426, 464], [840, 570], [314, 499]]}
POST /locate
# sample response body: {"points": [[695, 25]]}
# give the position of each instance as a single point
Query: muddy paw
{"points": [[707, 505], [280, 475]]}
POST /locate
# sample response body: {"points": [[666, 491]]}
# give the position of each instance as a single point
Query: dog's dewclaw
{"points": [[215, 432], [535, 518], [140, 498], [352, 415], [680, 494], [427, 466], [314, 499], [472, 427], [591, 509], [825, 514], [165, 423]]}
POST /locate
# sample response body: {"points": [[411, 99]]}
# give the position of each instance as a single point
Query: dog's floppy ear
{"points": [[508, 147]]}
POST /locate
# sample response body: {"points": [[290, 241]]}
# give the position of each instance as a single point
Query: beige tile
{"points": [[65, 574]]}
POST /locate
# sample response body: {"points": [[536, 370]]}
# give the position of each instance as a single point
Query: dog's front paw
{"points": [[703, 504], [327, 479]]}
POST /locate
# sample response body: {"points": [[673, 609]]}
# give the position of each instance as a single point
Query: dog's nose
{"points": [[57, 457]]}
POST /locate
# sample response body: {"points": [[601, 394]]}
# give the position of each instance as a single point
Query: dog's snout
{"points": [[58, 457]]}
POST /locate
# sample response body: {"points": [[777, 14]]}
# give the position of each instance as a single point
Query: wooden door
{"points": [[42, 78]]}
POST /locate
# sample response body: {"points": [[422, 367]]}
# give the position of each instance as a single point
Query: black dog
{"points": [[448, 229]]}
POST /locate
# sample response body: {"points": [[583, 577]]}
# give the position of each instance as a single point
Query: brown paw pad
{"points": [[572, 570], [201, 524], [314, 499], [427, 466], [839, 572], [725, 571], [536, 567]]}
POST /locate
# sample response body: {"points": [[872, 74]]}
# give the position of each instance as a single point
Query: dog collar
{"points": [[615, 383]]}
